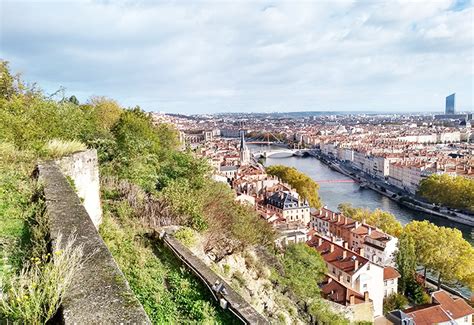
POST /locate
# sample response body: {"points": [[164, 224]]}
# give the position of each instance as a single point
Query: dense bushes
{"points": [[299, 272], [135, 156]]}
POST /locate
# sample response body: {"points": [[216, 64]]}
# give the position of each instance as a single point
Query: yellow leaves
{"points": [[443, 250], [302, 183]]}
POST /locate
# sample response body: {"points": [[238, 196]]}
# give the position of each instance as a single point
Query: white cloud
{"points": [[190, 57]]}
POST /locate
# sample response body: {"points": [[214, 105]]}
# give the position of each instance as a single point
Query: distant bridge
{"points": [[282, 153], [268, 143], [335, 181]]}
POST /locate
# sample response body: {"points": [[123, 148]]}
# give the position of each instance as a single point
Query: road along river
{"points": [[335, 188]]}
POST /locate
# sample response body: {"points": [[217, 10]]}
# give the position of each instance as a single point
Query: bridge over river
{"points": [[281, 152]]}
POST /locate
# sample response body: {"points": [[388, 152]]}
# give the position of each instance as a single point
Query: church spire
{"points": [[244, 150]]}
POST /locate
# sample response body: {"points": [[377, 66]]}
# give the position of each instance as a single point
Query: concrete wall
{"points": [[83, 168], [99, 292]]}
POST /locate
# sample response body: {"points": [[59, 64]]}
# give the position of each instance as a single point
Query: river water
{"points": [[335, 188]]}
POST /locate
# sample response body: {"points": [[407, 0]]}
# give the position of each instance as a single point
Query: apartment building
{"points": [[290, 206], [351, 269], [390, 281], [370, 242], [356, 307]]}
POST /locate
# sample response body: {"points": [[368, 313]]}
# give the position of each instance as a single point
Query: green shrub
{"points": [[186, 236], [393, 302], [226, 268], [239, 277]]}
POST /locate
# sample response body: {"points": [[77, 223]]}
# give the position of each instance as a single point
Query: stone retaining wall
{"points": [[83, 169], [99, 293]]}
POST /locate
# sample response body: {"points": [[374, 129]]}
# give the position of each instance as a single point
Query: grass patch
{"points": [[34, 295], [16, 190], [57, 148]]}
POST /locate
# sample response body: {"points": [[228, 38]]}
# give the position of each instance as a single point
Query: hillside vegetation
{"points": [[133, 153]]}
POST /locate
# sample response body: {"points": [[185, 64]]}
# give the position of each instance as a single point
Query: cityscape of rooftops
{"points": [[237, 162]]}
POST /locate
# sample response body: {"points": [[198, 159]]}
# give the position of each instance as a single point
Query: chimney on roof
{"points": [[332, 248], [351, 300], [356, 264], [329, 279], [320, 241], [344, 253], [369, 231], [346, 245], [357, 224], [366, 296]]}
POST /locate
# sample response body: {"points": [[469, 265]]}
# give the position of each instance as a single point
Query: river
{"points": [[335, 188]]}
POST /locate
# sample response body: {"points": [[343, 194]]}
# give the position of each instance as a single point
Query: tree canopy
{"points": [[302, 183], [378, 218], [450, 191], [442, 250]]}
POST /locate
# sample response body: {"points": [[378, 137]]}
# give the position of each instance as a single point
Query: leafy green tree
{"points": [[183, 165], [377, 218], [302, 270], [451, 191], [393, 302], [302, 183], [443, 250], [106, 111], [406, 262]]}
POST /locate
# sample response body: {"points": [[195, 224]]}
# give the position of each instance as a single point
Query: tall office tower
{"points": [[450, 104]]}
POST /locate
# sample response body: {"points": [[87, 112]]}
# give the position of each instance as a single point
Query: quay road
{"points": [[401, 196], [334, 193]]}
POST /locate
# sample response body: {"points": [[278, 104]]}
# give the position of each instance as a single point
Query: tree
{"points": [[442, 250], [393, 302], [406, 262], [451, 191], [378, 218], [302, 183], [303, 270], [73, 100], [107, 111]]}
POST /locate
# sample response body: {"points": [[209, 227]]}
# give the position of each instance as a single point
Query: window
{"points": [[348, 279], [364, 286], [385, 283], [393, 281]]}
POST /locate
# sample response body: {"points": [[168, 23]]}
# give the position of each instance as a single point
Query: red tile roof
{"points": [[338, 292], [335, 258], [443, 309], [390, 273]]}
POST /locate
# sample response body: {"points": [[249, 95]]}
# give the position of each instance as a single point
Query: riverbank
{"points": [[405, 200]]}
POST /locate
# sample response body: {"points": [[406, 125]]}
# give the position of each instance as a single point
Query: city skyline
{"points": [[247, 57]]}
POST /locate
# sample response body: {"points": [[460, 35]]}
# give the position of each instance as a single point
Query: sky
{"points": [[247, 56]]}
